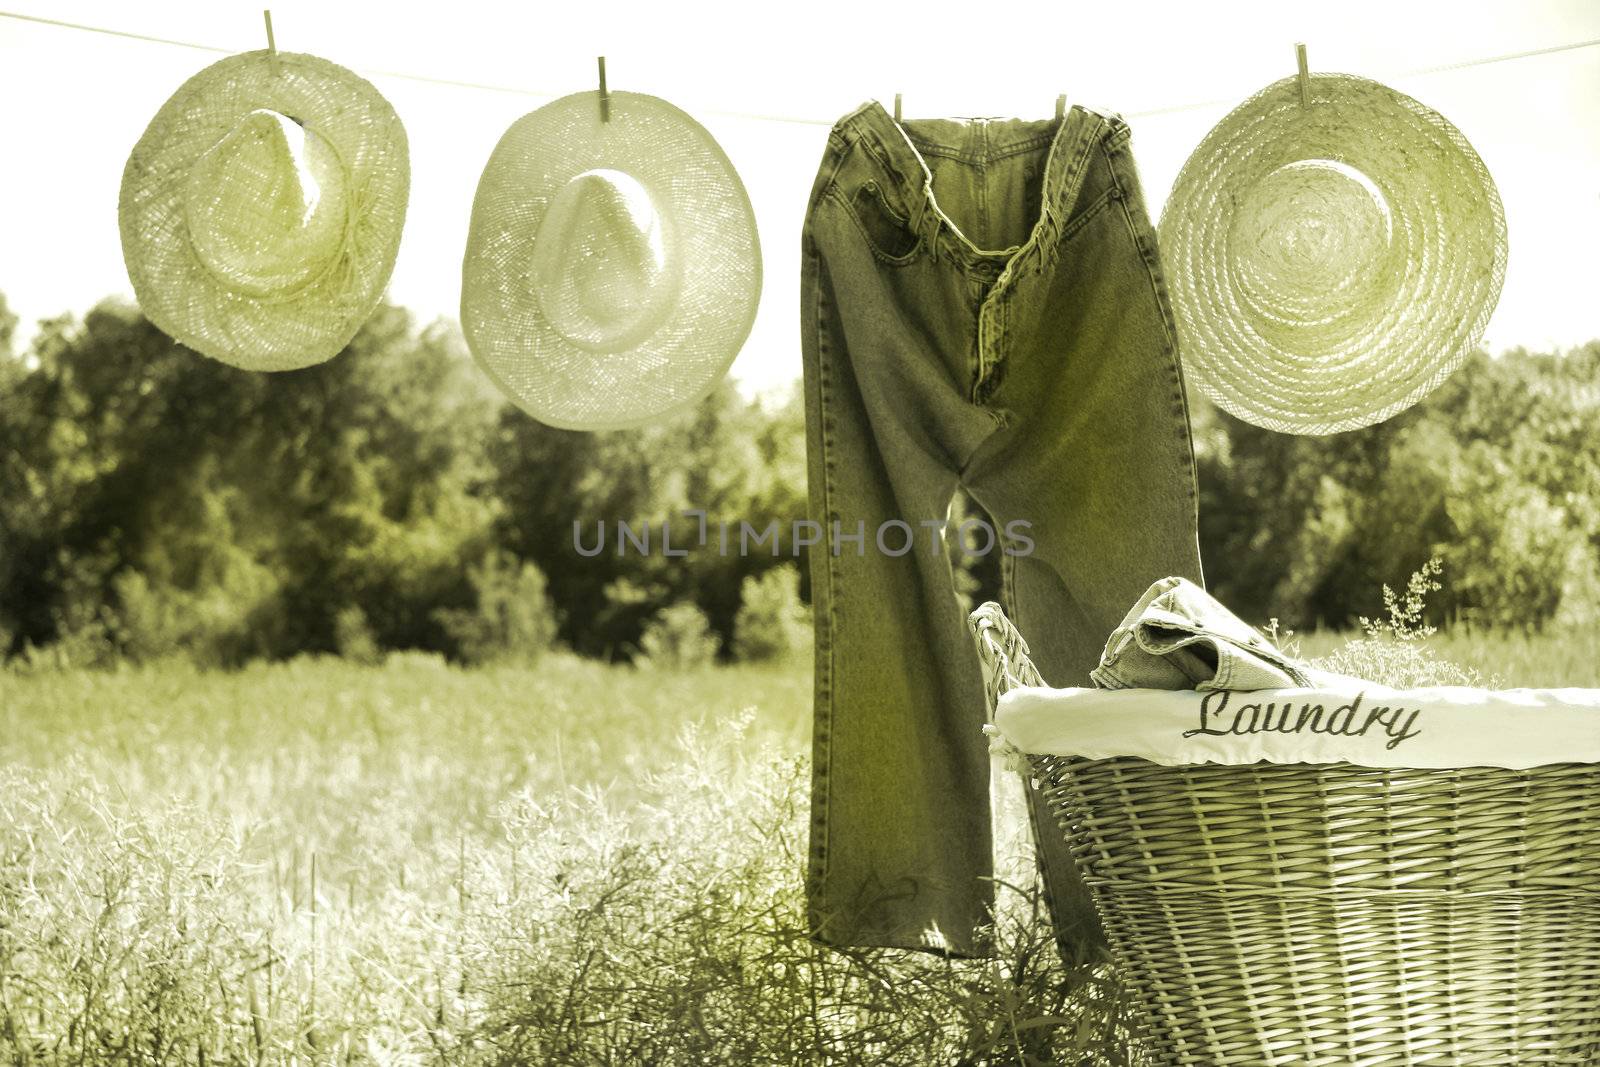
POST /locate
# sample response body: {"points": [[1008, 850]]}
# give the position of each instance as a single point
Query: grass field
{"points": [[1505, 660], [571, 863]]}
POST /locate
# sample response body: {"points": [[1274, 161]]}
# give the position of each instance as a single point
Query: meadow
{"points": [[573, 863]]}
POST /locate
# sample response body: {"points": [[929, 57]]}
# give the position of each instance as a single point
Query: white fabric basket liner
{"points": [[1364, 723]]}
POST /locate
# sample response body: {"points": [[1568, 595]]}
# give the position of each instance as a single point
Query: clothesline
{"points": [[1482, 61]]}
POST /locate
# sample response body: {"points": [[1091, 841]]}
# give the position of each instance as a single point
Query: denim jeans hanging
{"points": [[981, 305]]}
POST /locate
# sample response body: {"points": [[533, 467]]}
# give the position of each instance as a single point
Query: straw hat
{"points": [[612, 267], [1329, 265], [261, 210]]}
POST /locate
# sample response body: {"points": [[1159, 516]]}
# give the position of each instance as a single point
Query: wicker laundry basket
{"points": [[1335, 914]]}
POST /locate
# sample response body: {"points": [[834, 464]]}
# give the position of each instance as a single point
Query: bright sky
{"points": [[72, 104]]}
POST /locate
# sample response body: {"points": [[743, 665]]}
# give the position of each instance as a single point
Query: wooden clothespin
{"points": [[1061, 106], [897, 107], [1305, 76], [605, 95], [272, 44]]}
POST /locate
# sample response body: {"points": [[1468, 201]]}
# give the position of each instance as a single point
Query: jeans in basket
{"points": [[982, 305], [1178, 636]]}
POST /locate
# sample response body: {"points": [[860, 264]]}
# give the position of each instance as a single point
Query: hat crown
{"points": [[604, 266], [267, 206], [1310, 243]]}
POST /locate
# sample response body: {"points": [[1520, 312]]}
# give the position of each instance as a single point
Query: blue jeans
{"points": [[981, 306], [1179, 637]]}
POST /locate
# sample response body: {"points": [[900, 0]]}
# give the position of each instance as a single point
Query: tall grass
{"points": [[317, 862], [1505, 659]]}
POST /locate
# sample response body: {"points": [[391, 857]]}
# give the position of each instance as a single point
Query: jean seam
{"points": [[929, 148], [1149, 253], [1008, 593], [1002, 343], [828, 174], [985, 387], [1070, 180], [1079, 170], [991, 307], [823, 705], [981, 203]]}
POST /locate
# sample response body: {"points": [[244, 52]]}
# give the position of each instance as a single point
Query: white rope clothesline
{"points": [[795, 120]]}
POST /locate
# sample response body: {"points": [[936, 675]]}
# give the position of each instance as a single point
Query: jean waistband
{"points": [[900, 162]]}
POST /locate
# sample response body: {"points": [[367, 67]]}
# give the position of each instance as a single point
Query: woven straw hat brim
{"points": [[175, 289], [1382, 334], [691, 181]]}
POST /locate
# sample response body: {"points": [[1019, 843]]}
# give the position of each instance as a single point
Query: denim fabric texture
{"points": [[1178, 636], [982, 305]]}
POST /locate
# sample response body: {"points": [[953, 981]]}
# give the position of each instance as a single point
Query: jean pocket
{"points": [[886, 229], [1085, 216]]}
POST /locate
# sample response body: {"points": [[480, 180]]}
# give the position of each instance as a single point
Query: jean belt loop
{"points": [[1056, 196], [1052, 230], [929, 222], [1044, 251]]}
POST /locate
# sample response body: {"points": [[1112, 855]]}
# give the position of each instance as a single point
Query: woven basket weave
{"points": [[1335, 914]]}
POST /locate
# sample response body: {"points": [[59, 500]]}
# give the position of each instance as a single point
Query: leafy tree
{"points": [[678, 637], [154, 502], [772, 623], [1497, 472], [254, 506], [730, 458], [512, 618]]}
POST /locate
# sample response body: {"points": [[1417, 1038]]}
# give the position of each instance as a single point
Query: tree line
{"points": [[156, 503]]}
